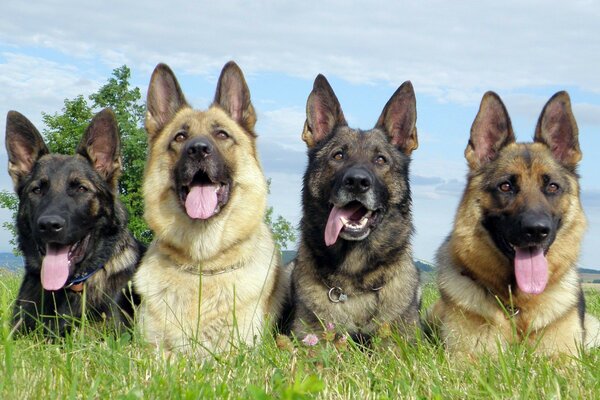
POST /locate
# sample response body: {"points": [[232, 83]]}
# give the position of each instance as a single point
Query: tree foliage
{"points": [[130, 111], [63, 131], [10, 201], [283, 231]]}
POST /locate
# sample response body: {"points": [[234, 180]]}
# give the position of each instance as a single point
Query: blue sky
{"points": [[452, 52]]}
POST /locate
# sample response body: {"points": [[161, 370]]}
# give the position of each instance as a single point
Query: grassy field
{"points": [[90, 364]]}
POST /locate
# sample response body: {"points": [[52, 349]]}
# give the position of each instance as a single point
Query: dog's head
{"points": [[355, 177], [528, 191], [66, 203], [202, 163]]}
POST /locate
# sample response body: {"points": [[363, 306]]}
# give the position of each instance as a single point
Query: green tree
{"points": [[62, 135], [10, 201], [283, 230], [63, 131], [130, 111]]}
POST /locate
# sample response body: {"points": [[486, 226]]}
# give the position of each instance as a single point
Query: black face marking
{"points": [[65, 204], [67, 189], [70, 223], [379, 192], [201, 162], [524, 193]]}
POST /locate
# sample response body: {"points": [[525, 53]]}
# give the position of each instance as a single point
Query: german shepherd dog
{"points": [[72, 230], [209, 279], [508, 272], [354, 267]]}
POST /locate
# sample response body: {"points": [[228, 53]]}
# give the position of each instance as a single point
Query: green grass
{"points": [[90, 364]]}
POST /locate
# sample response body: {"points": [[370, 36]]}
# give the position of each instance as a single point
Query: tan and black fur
{"points": [[519, 196], [367, 277], [208, 283], [71, 202]]}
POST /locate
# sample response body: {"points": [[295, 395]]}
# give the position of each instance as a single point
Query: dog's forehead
{"points": [[525, 159], [203, 122], [188, 120], [59, 167], [373, 138], [532, 155]]}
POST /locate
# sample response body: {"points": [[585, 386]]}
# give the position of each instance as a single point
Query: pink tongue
{"points": [[55, 267], [201, 201], [334, 222], [531, 269]]}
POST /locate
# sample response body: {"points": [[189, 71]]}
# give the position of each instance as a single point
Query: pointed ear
{"points": [[490, 132], [100, 144], [24, 146], [399, 117], [323, 113], [233, 96], [164, 99], [557, 129]]}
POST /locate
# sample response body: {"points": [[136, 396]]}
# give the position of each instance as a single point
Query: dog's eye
{"points": [[222, 135], [180, 137], [552, 188], [380, 160], [338, 156], [36, 190], [505, 187], [81, 189]]}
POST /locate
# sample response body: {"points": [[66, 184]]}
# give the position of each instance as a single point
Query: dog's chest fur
{"points": [[366, 307], [184, 307]]}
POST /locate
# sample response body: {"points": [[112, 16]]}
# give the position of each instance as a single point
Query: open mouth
{"points": [[58, 260], [352, 221], [531, 268], [202, 198]]}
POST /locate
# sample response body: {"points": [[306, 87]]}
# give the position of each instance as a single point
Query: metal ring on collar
{"points": [[336, 295]]}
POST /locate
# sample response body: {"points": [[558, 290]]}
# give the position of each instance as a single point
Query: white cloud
{"points": [[283, 127], [428, 166], [587, 113], [530, 106], [31, 85], [453, 50]]}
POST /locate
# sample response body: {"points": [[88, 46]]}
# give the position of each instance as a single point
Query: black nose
{"points": [[51, 223], [199, 148], [536, 227], [357, 180]]}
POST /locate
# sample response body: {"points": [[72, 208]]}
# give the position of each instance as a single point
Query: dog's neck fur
{"points": [[223, 259], [485, 302], [359, 270]]}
